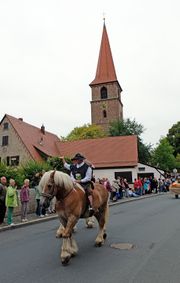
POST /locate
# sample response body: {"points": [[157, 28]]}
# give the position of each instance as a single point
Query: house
{"points": [[21, 141], [111, 157]]}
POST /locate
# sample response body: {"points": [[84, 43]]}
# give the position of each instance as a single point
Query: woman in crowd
{"points": [[24, 197], [11, 200]]}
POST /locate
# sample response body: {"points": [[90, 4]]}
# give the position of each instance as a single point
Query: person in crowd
{"points": [[132, 193], [126, 185], [11, 200], [121, 187], [136, 186], [160, 185], [24, 197], [140, 190], [150, 184], [37, 197], [146, 186], [154, 185], [2, 199], [167, 183], [114, 190]]}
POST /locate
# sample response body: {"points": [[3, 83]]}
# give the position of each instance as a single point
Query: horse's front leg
{"points": [[60, 231], [71, 222], [69, 246]]}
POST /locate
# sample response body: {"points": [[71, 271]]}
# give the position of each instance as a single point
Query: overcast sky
{"points": [[49, 51]]}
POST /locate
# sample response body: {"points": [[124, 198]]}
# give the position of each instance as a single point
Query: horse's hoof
{"points": [[58, 236], [89, 225], [74, 229], [104, 236], [98, 245], [65, 260]]}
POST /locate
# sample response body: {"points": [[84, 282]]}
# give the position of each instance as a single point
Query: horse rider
{"points": [[81, 173]]}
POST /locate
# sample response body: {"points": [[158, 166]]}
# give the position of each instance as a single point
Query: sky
{"points": [[49, 51]]}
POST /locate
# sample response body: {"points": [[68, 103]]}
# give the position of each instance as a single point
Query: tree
{"points": [[173, 137], [131, 127], [178, 162], [144, 151], [87, 131], [125, 128], [163, 157]]}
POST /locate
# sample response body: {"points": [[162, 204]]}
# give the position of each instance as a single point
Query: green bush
{"points": [[12, 172], [30, 170]]}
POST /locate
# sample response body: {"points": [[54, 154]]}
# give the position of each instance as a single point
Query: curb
{"points": [[52, 217]]}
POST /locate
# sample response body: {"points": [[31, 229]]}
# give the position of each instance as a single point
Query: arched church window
{"points": [[104, 94], [104, 113]]}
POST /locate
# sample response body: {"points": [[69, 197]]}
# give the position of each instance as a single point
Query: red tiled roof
{"points": [[107, 152], [105, 68], [33, 138]]}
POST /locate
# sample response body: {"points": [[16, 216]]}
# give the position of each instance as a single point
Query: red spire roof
{"points": [[105, 69]]}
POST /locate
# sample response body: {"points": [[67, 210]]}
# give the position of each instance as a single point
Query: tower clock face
{"points": [[103, 106]]}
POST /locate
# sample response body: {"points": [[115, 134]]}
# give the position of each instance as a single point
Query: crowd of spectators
{"points": [[119, 188], [10, 198]]}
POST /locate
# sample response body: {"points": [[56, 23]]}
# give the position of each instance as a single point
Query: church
{"points": [[111, 156]]}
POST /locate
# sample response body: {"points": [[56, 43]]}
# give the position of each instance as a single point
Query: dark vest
{"points": [[79, 173]]}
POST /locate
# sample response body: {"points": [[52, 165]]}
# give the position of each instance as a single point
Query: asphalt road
{"points": [[31, 253]]}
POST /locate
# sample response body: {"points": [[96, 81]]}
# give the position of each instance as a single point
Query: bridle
{"points": [[50, 195], [54, 192]]}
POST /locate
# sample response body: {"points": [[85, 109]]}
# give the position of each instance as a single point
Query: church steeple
{"points": [[106, 105], [105, 68]]}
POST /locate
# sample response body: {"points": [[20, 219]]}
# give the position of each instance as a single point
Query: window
{"points": [[104, 94], [127, 175], [141, 169], [104, 113], [5, 126], [5, 140], [12, 160]]}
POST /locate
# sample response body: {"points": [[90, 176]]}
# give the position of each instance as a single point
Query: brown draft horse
{"points": [[71, 204]]}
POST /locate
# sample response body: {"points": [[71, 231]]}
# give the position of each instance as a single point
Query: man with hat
{"points": [[81, 173]]}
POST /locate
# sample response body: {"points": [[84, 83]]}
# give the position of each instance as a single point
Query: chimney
{"points": [[43, 129]]}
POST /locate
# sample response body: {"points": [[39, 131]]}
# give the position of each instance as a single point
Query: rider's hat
{"points": [[78, 156]]}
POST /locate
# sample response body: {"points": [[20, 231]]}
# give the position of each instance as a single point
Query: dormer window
{"points": [[5, 126], [104, 94]]}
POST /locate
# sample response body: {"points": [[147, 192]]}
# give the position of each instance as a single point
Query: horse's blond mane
{"points": [[61, 179]]}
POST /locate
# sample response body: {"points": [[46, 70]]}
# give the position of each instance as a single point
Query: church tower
{"points": [[106, 105]]}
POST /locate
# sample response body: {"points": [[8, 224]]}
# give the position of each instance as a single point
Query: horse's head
{"points": [[49, 189]]}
